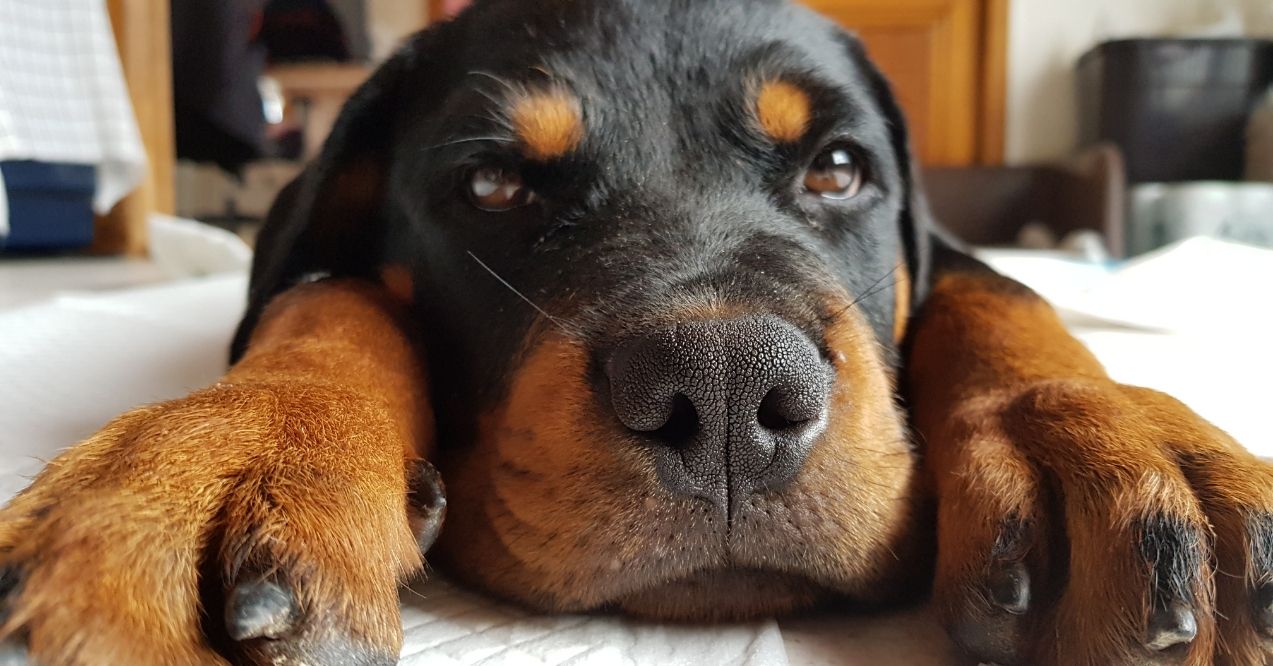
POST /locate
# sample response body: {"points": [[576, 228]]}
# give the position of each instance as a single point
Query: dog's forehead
{"points": [[635, 77]]}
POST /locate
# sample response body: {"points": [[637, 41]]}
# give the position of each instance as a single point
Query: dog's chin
{"points": [[725, 595]]}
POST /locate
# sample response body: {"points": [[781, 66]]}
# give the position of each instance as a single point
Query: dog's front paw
{"points": [[267, 524], [1084, 522]]}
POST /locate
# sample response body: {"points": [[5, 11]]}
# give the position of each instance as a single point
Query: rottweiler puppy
{"points": [[651, 284]]}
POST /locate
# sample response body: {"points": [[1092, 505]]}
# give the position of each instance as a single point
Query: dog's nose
{"points": [[733, 405]]}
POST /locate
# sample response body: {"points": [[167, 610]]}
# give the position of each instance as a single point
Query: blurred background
{"points": [[1108, 129]]}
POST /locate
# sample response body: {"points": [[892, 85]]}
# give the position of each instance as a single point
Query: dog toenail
{"points": [[259, 609], [1009, 588], [427, 494], [1170, 626]]}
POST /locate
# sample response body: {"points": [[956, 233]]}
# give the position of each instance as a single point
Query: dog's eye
{"points": [[495, 190], [834, 174]]}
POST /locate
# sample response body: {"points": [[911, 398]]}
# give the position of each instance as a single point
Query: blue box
{"points": [[50, 205]]}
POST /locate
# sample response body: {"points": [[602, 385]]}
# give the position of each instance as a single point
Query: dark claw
{"points": [[1264, 609], [10, 584], [12, 652], [1009, 588], [259, 609], [1171, 625], [10, 578], [427, 495]]}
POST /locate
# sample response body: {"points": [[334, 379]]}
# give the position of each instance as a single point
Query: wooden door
{"points": [[945, 61]]}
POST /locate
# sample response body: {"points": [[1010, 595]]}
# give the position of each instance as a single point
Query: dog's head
{"points": [[662, 254]]}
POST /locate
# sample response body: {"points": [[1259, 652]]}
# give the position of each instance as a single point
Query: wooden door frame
{"points": [[991, 112], [143, 38]]}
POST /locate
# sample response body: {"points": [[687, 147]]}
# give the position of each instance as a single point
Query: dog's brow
{"points": [[549, 123], [784, 110]]}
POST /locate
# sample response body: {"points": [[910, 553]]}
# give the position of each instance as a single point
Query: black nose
{"points": [[735, 405]]}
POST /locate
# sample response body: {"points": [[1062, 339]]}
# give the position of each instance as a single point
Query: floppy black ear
{"points": [[916, 224], [330, 220]]}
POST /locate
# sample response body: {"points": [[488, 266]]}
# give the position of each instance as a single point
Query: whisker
{"points": [[496, 139], [495, 115], [488, 95], [877, 484], [557, 322], [407, 586], [883, 453], [487, 75], [875, 288]]}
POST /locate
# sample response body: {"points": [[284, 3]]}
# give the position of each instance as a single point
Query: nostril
{"points": [[779, 412], [682, 423], [771, 414]]}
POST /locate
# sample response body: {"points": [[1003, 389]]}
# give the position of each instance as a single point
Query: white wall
{"points": [[389, 21], [1046, 38]]}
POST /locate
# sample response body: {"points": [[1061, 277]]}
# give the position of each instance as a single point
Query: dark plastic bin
{"points": [[50, 205], [1177, 108]]}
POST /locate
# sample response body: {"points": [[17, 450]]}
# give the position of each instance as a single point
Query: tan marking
{"points": [[784, 111], [902, 302], [549, 123], [398, 281]]}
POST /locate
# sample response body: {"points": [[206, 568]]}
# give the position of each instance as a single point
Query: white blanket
{"points": [[72, 363]]}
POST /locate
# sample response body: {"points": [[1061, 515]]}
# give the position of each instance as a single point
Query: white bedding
{"points": [[69, 364]]}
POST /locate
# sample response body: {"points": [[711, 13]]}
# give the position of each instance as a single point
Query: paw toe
{"points": [[989, 619], [992, 632], [1173, 552], [268, 625], [260, 609]]}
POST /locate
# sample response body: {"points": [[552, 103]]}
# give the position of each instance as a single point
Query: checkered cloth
{"points": [[63, 97]]}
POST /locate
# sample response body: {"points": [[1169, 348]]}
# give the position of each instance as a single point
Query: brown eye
{"points": [[497, 190], [834, 174]]}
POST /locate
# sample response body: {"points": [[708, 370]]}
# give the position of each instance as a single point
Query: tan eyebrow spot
{"points": [[549, 124], [784, 111]]}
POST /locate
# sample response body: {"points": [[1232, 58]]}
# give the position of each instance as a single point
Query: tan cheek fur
{"points": [[902, 303], [540, 505], [398, 281]]}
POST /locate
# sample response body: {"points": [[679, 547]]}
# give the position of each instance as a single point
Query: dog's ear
{"points": [[330, 220], [916, 221]]}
